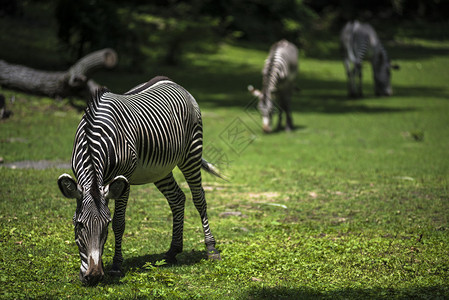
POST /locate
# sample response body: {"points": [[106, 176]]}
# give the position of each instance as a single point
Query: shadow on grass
{"points": [[432, 292], [333, 105], [404, 51], [222, 85], [316, 95], [329, 96], [185, 258]]}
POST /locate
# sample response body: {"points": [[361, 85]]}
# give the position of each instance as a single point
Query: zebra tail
{"points": [[211, 169]]}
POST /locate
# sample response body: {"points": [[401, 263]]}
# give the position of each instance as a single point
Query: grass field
{"points": [[354, 203]]}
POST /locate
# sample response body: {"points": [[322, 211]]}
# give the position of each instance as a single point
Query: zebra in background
{"points": [[278, 79], [360, 41], [135, 138]]}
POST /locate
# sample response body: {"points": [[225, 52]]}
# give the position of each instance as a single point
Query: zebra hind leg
{"points": [[176, 199], [192, 174]]}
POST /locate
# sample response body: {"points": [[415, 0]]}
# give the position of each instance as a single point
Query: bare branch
{"points": [[72, 82]]}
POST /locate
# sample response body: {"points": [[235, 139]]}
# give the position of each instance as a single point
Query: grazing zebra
{"points": [[278, 79], [360, 41], [135, 138]]}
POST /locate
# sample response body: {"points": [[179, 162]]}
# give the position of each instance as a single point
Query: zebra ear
{"points": [[68, 187], [395, 67], [116, 188], [254, 92]]}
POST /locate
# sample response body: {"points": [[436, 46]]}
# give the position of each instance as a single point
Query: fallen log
{"points": [[73, 82]]}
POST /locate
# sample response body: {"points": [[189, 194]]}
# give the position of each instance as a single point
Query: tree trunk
{"points": [[73, 82]]}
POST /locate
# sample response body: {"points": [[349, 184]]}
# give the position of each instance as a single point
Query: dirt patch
{"points": [[266, 195], [38, 165]]}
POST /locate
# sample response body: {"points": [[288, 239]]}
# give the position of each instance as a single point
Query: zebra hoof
{"points": [[267, 129], [115, 271], [213, 254], [170, 260], [170, 255]]}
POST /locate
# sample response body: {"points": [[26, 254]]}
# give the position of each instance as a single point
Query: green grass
{"points": [[354, 203]]}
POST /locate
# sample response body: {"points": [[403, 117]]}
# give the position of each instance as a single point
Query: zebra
{"points": [[359, 40], [278, 80], [135, 138]]}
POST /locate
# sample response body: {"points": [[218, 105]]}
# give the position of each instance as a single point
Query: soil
{"points": [[38, 165]]}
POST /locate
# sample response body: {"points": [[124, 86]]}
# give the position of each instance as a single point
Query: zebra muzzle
{"points": [[94, 271], [266, 124]]}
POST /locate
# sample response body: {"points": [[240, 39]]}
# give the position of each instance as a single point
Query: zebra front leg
{"points": [[350, 76], [289, 126], [176, 199], [279, 120], [358, 73], [288, 111], [193, 178], [118, 226]]}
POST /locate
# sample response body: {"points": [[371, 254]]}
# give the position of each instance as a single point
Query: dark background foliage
{"points": [[164, 30]]}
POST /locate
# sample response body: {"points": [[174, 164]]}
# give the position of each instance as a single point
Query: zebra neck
{"points": [[90, 176], [380, 54], [269, 84]]}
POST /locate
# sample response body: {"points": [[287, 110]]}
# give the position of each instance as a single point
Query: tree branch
{"points": [[72, 82]]}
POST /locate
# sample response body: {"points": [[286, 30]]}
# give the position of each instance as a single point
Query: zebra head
{"points": [[91, 220], [265, 107], [382, 73]]}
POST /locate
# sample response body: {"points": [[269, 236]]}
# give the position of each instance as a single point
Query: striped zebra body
{"points": [[278, 80], [359, 41], [135, 138]]}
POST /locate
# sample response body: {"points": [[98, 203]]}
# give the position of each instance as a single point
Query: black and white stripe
{"points": [[279, 74], [140, 135], [359, 41]]}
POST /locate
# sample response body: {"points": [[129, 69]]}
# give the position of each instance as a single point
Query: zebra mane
{"points": [[146, 85], [94, 101], [380, 55], [92, 107], [89, 117], [268, 70], [270, 64]]}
